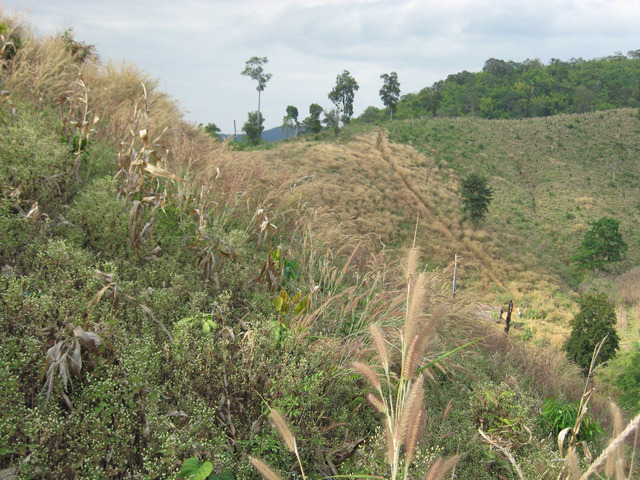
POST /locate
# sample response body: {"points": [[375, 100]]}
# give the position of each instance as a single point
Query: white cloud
{"points": [[198, 47]]}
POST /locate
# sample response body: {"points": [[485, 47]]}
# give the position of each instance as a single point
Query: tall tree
{"points": [[390, 92], [342, 95], [476, 196], [601, 244], [312, 123], [254, 127], [254, 69], [291, 119]]}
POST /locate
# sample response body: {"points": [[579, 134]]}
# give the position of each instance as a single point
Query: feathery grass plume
{"points": [[367, 372], [412, 263], [412, 417], [381, 345], [440, 468], [265, 470], [615, 462], [377, 403], [281, 425], [415, 307], [572, 461], [391, 442], [613, 446], [412, 406]]}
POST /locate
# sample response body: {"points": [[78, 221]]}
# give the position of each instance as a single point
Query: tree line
{"points": [[512, 90], [342, 97]]}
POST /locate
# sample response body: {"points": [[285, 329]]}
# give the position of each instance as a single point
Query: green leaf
{"points": [[192, 469], [226, 474]]}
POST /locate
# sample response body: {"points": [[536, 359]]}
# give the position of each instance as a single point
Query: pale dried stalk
{"points": [[265, 470], [615, 443]]}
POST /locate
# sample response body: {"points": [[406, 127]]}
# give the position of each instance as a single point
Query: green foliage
{"points": [[192, 469], [595, 321], [343, 94], [253, 127], [212, 129], [476, 196], [499, 410], [390, 92], [254, 69], [35, 166], [312, 123], [556, 415], [602, 244], [628, 379], [508, 89]]}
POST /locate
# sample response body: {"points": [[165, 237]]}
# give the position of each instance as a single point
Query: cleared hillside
{"points": [[551, 177]]}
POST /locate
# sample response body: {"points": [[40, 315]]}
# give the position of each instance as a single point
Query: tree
{"points": [[254, 69], [342, 95], [212, 129], [312, 122], [476, 196], [390, 92], [291, 119], [602, 244], [254, 127], [595, 320], [332, 120]]}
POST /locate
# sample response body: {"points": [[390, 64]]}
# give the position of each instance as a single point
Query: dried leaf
{"points": [[89, 340], [75, 361]]}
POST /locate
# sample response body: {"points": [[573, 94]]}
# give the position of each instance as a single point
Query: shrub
{"points": [[557, 415], [601, 245], [34, 165], [595, 321]]}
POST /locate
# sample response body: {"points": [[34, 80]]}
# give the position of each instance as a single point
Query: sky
{"points": [[197, 48]]}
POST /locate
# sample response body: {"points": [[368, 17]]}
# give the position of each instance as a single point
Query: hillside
{"points": [[551, 177], [162, 294]]}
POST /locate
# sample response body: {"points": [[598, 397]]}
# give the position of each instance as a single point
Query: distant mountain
{"points": [[272, 135]]}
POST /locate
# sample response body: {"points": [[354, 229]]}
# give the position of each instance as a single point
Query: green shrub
{"points": [[557, 415], [628, 380], [33, 162], [595, 321]]}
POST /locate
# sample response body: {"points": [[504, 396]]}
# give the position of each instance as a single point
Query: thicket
{"points": [[509, 89]]}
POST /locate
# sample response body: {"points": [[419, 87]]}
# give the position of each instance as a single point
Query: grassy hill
{"points": [[551, 177], [161, 293]]}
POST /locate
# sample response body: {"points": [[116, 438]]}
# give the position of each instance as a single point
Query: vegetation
{"points": [[312, 123], [595, 322], [509, 90], [343, 94], [253, 127], [602, 244], [162, 294], [254, 69], [476, 197], [390, 92]]}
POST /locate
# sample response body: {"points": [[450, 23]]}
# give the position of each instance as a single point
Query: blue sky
{"points": [[197, 48]]}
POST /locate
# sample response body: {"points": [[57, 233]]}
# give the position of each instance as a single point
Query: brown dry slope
{"points": [[380, 188]]}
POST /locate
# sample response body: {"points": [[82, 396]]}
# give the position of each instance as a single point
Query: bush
{"points": [[628, 380], [557, 415], [601, 245], [33, 162], [595, 321]]}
